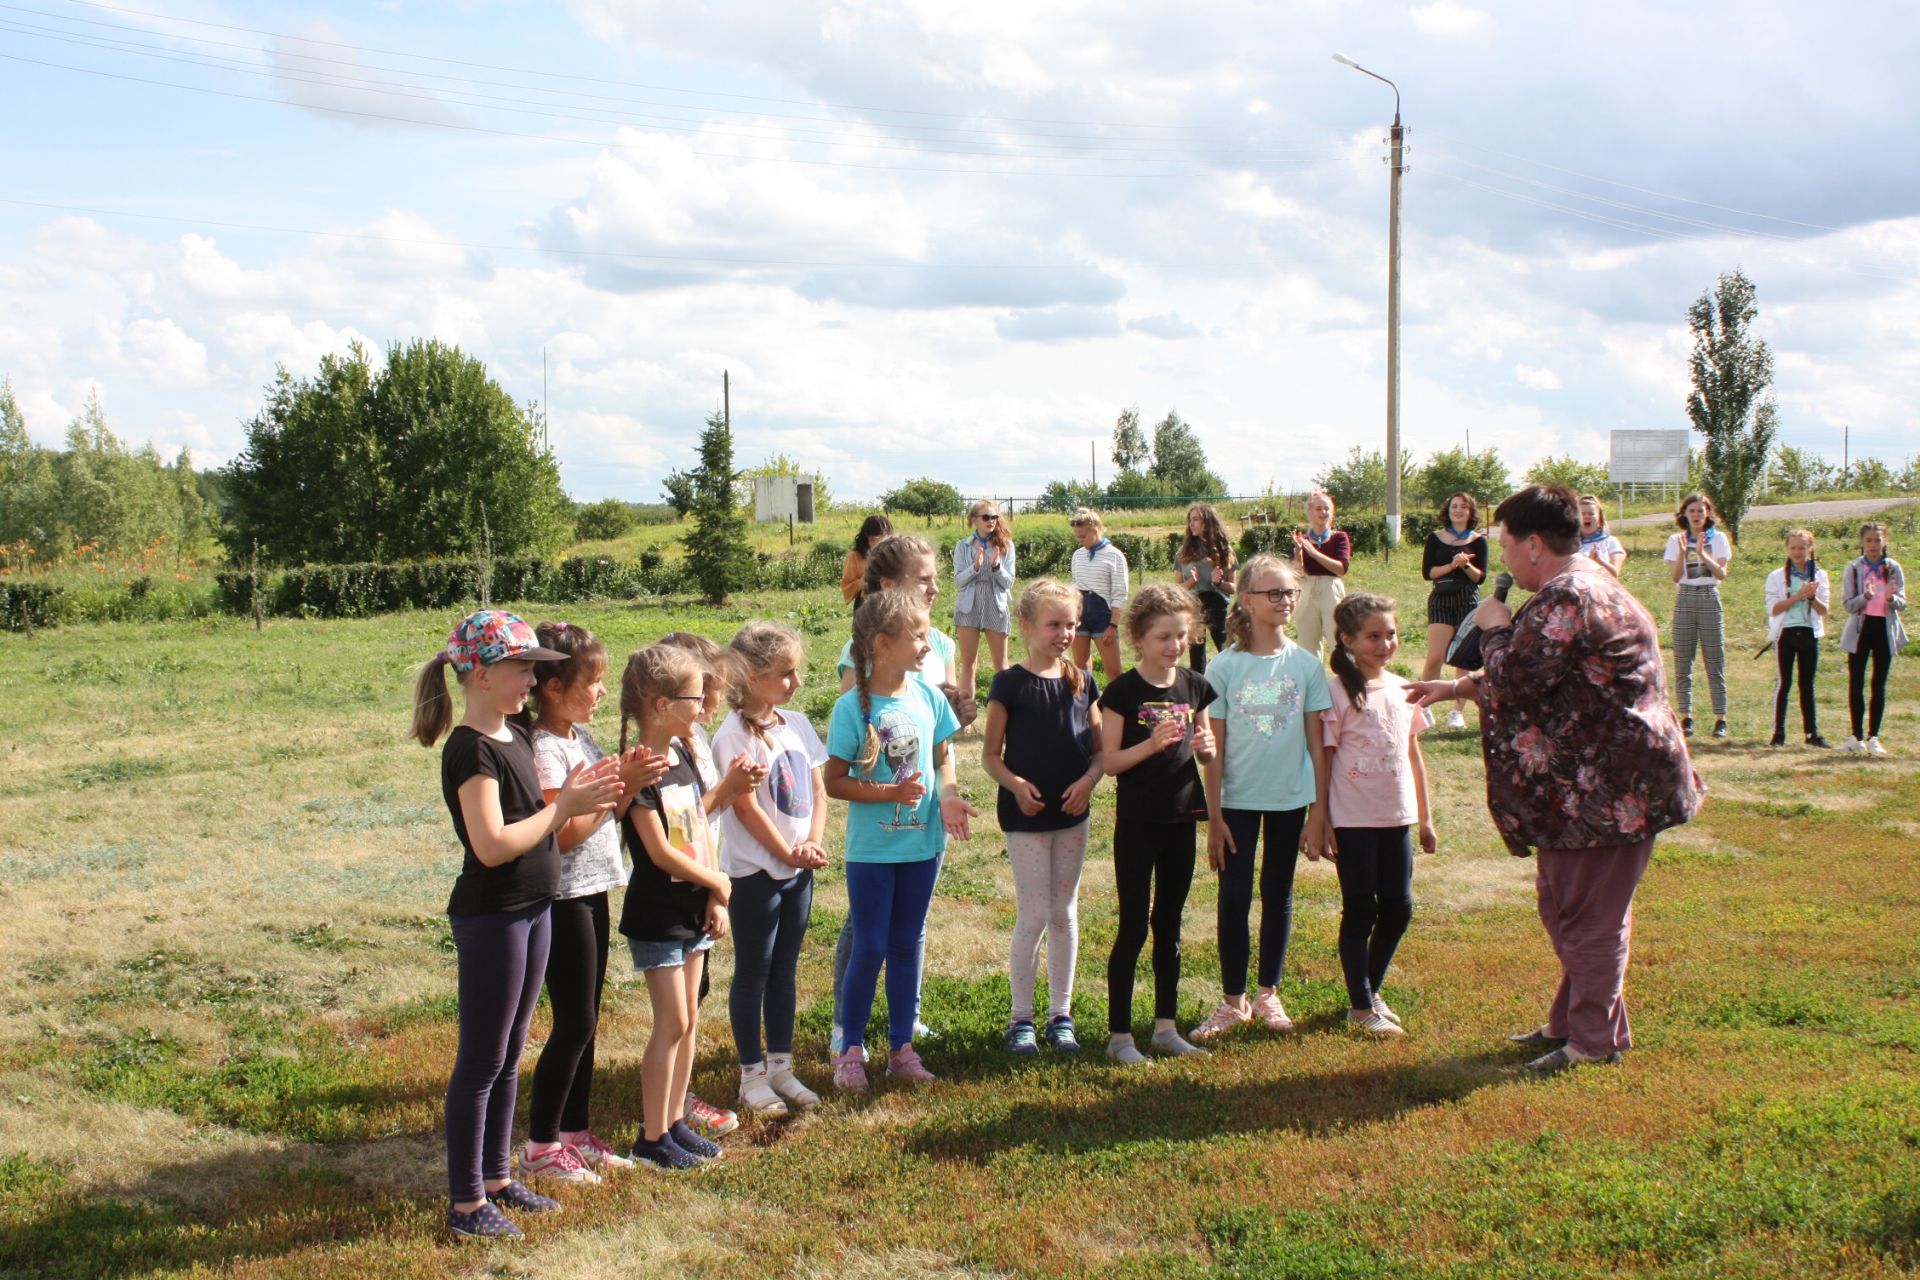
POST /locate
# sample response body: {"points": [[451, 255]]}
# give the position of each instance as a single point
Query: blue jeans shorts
{"points": [[670, 953]]}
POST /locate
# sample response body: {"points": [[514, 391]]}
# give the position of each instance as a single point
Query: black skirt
{"points": [[1451, 608]]}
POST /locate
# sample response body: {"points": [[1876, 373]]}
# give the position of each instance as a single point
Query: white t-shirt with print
{"points": [[594, 865], [785, 795], [1697, 574]]}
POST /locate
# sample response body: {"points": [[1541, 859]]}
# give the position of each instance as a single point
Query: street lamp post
{"points": [[1397, 142]]}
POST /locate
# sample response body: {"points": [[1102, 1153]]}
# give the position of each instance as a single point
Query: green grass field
{"points": [[229, 1018]]}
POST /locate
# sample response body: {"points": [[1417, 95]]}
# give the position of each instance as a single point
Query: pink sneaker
{"points": [[1224, 1018], [708, 1120], [1271, 1015], [850, 1070], [905, 1066], [559, 1163]]}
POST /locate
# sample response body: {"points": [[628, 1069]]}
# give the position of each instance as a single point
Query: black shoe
{"points": [[1778, 739], [1686, 726], [692, 1143], [1554, 1063], [1815, 740], [1537, 1039], [1720, 729]]}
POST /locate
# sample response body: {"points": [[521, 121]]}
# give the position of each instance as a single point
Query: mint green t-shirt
{"points": [[1263, 702], [910, 727]]}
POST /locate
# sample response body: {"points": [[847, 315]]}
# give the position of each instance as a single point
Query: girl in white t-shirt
{"points": [[1374, 790], [1595, 542], [771, 845], [1699, 554]]}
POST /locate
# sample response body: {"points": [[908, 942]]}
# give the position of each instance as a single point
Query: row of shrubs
{"points": [[362, 590]]}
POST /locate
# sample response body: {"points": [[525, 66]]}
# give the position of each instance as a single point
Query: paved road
{"points": [[1831, 509]]}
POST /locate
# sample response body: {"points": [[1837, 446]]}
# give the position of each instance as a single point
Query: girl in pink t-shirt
{"points": [[1374, 790]]}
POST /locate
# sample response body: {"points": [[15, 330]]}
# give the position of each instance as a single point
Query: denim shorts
{"points": [[650, 953], [1096, 615]]}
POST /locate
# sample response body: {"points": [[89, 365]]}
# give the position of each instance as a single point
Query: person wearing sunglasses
{"points": [[983, 590]]}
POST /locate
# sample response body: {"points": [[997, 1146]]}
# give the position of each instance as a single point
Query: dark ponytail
{"points": [[1351, 615]]}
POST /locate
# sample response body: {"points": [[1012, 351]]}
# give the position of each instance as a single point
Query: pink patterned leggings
{"points": [[1046, 889]]}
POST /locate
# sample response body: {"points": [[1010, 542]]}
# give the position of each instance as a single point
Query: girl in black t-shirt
{"points": [[1152, 729], [1042, 749], [1455, 562], [677, 900], [499, 906]]}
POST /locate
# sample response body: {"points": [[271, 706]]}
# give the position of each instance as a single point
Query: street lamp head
{"points": [[1345, 61]]}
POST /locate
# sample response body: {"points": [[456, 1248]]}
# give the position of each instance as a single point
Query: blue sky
{"points": [[957, 240]]}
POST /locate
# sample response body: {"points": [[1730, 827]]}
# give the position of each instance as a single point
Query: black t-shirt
{"points": [[660, 908], [534, 876], [1441, 550], [1036, 749], [1165, 787]]}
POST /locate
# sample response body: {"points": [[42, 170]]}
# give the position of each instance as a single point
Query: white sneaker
{"points": [[1852, 747], [1373, 1023], [1455, 720], [788, 1086], [1873, 747], [757, 1094]]}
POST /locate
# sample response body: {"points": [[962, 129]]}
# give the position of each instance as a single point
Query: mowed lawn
{"points": [[227, 1016]]}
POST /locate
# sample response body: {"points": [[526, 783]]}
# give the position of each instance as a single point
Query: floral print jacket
{"points": [[1581, 747]]}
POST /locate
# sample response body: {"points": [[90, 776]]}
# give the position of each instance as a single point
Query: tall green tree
{"points": [[923, 496], [29, 497], [117, 498], [1359, 481], [1131, 449], [1731, 404], [717, 548], [1180, 461], [394, 464], [1581, 477]]}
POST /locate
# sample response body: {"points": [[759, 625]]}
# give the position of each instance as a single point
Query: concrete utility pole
{"points": [[1397, 139]]}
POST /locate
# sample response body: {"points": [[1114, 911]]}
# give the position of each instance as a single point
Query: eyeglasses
{"points": [[1279, 595], [687, 697]]}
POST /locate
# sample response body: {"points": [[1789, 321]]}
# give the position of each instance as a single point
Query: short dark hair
{"points": [[1680, 512], [1550, 510], [1473, 510]]}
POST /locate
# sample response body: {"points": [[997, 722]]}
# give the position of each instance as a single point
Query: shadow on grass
{"points": [[1148, 1106]]}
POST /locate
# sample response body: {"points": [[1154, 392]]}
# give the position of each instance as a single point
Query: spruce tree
{"points": [[717, 546]]}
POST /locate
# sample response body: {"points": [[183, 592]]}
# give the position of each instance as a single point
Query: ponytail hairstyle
{"points": [[1039, 594], [889, 559], [758, 647], [1331, 508], [1162, 599], [1599, 508], [1212, 544], [1786, 571], [586, 660], [1239, 621], [657, 671], [1002, 538], [1875, 526], [1087, 517], [881, 613], [1349, 616], [872, 530], [432, 701]]}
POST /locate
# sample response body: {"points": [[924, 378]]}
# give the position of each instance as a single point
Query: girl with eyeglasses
{"points": [[983, 592], [1269, 754]]}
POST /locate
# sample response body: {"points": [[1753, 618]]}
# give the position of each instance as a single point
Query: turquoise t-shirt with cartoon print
{"points": [[1263, 702], [910, 727]]}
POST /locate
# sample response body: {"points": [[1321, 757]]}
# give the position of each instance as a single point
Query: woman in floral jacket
{"points": [[1585, 761]]}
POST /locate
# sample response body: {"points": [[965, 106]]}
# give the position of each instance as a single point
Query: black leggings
{"points": [[1213, 609], [576, 974], [1871, 641], [1276, 894], [1798, 648], [502, 957], [1143, 852], [1376, 904]]}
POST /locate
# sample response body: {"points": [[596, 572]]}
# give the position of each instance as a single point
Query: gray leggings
{"points": [[1697, 624]]}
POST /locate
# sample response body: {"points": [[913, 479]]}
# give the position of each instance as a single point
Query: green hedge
{"points": [[26, 605], [1367, 532]]}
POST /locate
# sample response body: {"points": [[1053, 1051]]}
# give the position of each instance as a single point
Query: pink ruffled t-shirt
{"points": [[1372, 783]]}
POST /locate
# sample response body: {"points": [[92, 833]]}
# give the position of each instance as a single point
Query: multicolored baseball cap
{"points": [[494, 635]]}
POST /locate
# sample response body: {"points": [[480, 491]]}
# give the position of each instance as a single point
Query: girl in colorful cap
{"points": [[509, 871]]}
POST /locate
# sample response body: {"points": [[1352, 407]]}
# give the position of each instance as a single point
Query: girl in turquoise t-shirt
{"points": [[1268, 756], [887, 734]]}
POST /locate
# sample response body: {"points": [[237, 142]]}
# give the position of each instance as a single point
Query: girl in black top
{"points": [[1152, 731], [1455, 563], [677, 899], [499, 906]]}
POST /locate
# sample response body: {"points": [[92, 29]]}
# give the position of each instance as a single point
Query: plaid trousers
{"points": [[1697, 624]]}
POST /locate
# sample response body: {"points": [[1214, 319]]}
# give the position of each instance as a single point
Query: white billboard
{"points": [[1648, 457]]}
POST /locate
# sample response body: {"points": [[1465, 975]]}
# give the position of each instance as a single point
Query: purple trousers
{"points": [[1586, 904]]}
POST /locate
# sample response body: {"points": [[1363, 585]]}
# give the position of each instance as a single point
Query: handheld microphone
{"points": [[1464, 655]]}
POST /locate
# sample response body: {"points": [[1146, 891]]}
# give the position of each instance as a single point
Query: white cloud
{"points": [[1448, 18], [1540, 379]]}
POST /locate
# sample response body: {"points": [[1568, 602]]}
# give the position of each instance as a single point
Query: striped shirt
{"points": [[1102, 569]]}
